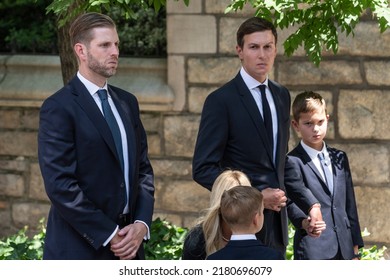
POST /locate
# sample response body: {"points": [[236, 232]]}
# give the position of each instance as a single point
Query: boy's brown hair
{"points": [[306, 102]]}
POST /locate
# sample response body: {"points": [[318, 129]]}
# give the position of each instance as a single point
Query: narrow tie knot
{"points": [[322, 158], [262, 89], [102, 94]]}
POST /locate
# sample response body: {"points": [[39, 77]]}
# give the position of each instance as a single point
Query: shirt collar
{"points": [[91, 87], [313, 152], [251, 82], [242, 236]]}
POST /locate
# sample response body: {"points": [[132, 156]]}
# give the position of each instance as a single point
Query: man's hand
{"points": [[126, 242], [316, 223], [274, 199]]}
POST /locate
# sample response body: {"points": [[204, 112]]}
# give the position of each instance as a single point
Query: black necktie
{"points": [[267, 117], [111, 121], [327, 174]]}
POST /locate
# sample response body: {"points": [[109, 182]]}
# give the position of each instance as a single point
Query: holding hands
{"points": [[314, 224]]}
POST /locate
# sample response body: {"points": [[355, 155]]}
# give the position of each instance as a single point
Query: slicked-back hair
{"points": [[81, 29], [254, 24]]}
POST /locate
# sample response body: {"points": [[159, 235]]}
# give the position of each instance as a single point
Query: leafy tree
{"points": [[24, 27], [319, 21], [67, 10]]}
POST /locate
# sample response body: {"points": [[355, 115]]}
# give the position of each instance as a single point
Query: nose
{"points": [[115, 50], [316, 128], [260, 52]]}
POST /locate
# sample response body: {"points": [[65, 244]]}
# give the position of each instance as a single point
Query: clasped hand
{"points": [[127, 240]]}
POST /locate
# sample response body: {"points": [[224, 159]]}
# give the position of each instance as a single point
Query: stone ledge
{"points": [[26, 80]]}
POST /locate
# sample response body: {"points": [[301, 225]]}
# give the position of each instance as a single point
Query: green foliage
{"points": [[371, 253], [21, 247], [24, 27], [142, 35], [166, 241], [67, 10], [318, 22]]}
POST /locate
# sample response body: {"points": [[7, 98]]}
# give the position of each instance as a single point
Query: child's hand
{"points": [[313, 230]]}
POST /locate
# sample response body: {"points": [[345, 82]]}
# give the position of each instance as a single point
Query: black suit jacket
{"points": [[304, 186], [194, 246], [82, 174], [246, 250], [232, 135]]}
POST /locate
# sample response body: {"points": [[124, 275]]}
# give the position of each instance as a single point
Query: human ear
{"points": [[80, 50], [295, 125]]}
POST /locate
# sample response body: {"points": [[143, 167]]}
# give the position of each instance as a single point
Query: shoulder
{"points": [[123, 93], [296, 154], [194, 244], [338, 156], [274, 84]]}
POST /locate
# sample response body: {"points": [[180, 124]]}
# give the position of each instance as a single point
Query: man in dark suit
{"points": [[234, 134], [318, 178], [92, 151], [242, 210]]}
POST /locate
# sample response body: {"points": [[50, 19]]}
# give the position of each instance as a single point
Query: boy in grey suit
{"points": [[318, 180]]}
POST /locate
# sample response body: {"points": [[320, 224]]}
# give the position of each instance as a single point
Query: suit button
{"points": [[335, 228], [122, 185]]}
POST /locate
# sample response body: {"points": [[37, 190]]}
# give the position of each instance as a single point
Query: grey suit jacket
{"points": [[305, 186]]}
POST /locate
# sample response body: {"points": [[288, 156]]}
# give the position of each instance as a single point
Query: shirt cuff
{"points": [[110, 237], [147, 236]]}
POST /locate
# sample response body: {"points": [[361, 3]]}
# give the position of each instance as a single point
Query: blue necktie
{"points": [[328, 175], [267, 117], [111, 121]]}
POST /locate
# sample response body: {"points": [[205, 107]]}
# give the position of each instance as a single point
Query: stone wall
{"points": [[201, 57]]}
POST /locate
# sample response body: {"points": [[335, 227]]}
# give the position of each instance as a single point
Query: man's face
{"points": [[258, 54], [103, 52]]}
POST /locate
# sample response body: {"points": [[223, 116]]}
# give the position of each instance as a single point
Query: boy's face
{"points": [[312, 127]]}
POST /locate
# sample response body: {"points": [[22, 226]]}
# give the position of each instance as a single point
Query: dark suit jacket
{"points": [[246, 250], [232, 135], [82, 173], [194, 247], [304, 186]]}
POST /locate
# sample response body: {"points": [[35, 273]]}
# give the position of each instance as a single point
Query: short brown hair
{"points": [[81, 29], [252, 25], [239, 205], [306, 102]]}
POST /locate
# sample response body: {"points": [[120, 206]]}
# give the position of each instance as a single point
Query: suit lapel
{"points": [[335, 171], [276, 95], [124, 111], [307, 161], [253, 111], [88, 104]]}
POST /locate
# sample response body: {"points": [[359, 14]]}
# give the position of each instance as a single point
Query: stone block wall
{"points": [[201, 57]]}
